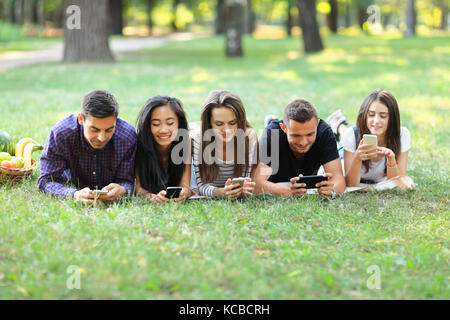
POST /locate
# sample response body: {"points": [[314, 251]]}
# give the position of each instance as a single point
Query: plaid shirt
{"points": [[67, 157]]}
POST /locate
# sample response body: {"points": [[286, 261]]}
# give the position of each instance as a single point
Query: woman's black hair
{"points": [[148, 160]]}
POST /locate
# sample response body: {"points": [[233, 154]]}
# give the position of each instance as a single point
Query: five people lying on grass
{"points": [[97, 150]]}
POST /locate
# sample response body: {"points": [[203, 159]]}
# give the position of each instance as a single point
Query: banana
{"points": [[28, 152], [20, 146]]}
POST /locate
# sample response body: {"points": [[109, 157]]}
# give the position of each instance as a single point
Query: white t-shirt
{"points": [[376, 169]]}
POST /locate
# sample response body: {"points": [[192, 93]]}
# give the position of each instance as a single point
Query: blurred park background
{"points": [[28, 24]]}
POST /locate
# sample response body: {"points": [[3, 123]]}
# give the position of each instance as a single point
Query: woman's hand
{"points": [[232, 191], [366, 151], [184, 194], [248, 187], [388, 153], [159, 198]]}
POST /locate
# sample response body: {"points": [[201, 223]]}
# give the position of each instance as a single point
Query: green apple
{"points": [[19, 160], [5, 156]]}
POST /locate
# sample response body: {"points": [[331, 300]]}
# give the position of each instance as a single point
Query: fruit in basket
{"points": [[6, 143], [20, 146], [28, 152], [19, 161], [8, 164], [5, 156]]}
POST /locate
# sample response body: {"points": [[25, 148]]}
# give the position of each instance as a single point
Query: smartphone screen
{"points": [[173, 192], [311, 181], [370, 139]]}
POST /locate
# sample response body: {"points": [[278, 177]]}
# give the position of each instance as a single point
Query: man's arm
{"points": [[53, 165], [125, 172], [337, 179], [262, 175]]}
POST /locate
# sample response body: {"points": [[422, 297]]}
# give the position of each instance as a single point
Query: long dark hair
{"points": [[227, 99], [392, 134], [148, 162]]}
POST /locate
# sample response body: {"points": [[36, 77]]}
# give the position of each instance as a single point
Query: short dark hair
{"points": [[299, 110], [99, 104]]}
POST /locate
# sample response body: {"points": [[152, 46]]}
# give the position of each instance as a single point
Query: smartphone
{"points": [[238, 180], [370, 139], [311, 181], [98, 192], [173, 192]]}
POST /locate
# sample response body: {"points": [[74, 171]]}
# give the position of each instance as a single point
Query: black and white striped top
{"points": [[226, 168]]}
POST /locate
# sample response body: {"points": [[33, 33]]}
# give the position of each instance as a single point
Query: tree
{"points": [[411, 18], [7, 11], [249, 18], [40, 12], [289, 20], [234, 27], [116, 16], [18, 12], [86, 39], [28, 11], [150, 6], [444, 13], [220, 17], [310, 28], [332, 17], [173, 24]]}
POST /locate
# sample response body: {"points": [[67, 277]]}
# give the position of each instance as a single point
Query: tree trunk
{"points": [[116, 17], [411, 18], [234, 27], [332, 17], [58, 16], [7, 11], [150, 6], [40, 12], [173, 24], [348, 17], [249, 17], [362, 17], [444, 14], [289, 20], [220, 17], [18, 12], [90, 41], [309, 25], [28, 16]]}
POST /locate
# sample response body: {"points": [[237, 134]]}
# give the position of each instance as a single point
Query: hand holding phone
{"points": [[311, 181], [173, 192], [99, 192], [239, 180], [370, 139]]}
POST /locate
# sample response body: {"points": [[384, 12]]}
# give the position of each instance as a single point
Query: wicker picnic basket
{"points": [[16, 175]]}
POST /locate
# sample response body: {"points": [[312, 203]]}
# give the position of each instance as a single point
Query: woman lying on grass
{"points": [[161, 127], [365, 163], [225, 148]]}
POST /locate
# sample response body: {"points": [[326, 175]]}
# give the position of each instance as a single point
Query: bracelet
{"points": [[387, 165]]}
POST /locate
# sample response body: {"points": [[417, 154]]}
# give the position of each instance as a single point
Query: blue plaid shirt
{"points": [[67, 157]]}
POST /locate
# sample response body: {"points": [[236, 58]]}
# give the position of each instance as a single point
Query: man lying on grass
{"points": [[296, 146], [92, 150]]}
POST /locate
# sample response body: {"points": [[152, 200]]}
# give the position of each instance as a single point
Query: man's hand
{"points": [[115, 191], [248, 187], [326, 187], [298, 189], [84, 195]]}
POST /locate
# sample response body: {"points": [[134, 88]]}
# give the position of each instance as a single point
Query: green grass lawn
{"points": [[262, 248]]}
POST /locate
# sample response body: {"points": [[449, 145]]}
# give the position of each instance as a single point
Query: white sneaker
{"points": [[336, 119], [269, 118]]}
